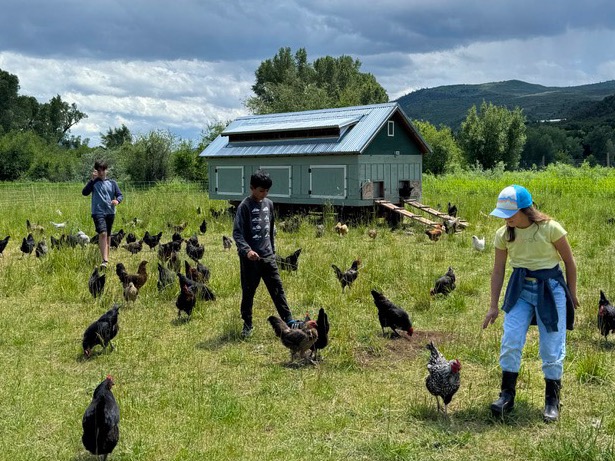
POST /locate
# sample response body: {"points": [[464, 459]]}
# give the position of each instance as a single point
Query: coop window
{"points": [[391, 128]]}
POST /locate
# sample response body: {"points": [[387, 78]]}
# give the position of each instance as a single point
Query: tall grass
{"points": [[194, 390]]}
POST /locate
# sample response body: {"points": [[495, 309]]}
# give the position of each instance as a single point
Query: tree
{"points": [[493, 135], [9, 87], [18, 150], [446, 154], [115, 137], [600, 143], [288, 83], [56, 118], [149, 157]]}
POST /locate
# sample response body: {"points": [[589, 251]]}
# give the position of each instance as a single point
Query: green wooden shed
{"points": [[347, 156]]}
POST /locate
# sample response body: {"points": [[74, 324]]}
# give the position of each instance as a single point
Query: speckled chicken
{"points": [[444, 379], [298, 340], [606, 316]]}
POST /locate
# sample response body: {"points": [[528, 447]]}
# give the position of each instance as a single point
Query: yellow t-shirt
{"points": [[533, 247]]}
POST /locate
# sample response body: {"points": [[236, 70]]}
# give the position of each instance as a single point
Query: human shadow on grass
{"points": [[177, 321], [230, 336]]}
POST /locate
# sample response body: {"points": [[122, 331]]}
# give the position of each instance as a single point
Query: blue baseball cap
{"points": [[511, 200]]}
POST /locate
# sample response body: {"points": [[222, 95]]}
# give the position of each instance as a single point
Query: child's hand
{"points": [[114, 202], [492, 314], [94, 174], [253, 255]]}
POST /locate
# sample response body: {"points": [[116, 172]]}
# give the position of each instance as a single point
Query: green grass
{"points": [[193, 390]]}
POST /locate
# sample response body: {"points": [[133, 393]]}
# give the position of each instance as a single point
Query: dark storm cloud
{"points": [[243, 29]]}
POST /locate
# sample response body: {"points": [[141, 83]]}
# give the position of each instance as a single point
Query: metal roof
{"points": [[358, 126]]}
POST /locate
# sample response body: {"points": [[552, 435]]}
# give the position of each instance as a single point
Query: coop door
{"points": [[230, 180], [328, 181]]}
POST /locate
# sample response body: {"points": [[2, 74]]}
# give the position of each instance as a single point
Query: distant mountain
{"points": [[449, 104]]}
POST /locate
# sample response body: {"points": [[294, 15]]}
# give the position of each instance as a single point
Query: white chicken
{"points": [[478, 244]]}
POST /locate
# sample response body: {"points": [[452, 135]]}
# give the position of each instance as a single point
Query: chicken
{"points": [[445, 284], [174, 261], [166, 277], [58, 225], [33, 227], [227, 243], [200, 289], [41, 248], [152, 240], [27, 245], [137, 279], [84, 239], [133, 247], [195, 251], [102, 331], [435, 233], [57, 243], [3, 243], [347, 278], [96, 283], [186, 299], [131, 237], [101, 421], [165, 250], [478, 244], [444, 378], [203, 227], [177, 237], [372, 233], [450, 226], [298, 340], [320, 230], [322, 328], [391, 315], [452, 210], [72, 240], [117, 238], [606, 316], [204, 272], [289, 263], [341, 229], [179, 228], [130, 292]]}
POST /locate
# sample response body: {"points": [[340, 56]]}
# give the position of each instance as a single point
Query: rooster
{"points": [[102, 331], [101, 420], [347, 278], [322, 328], [152, 240], [478, 244], [606, 316], [298, 340], [3, 243], [27, 245], [227, 243], [443, 379], [289, 263], [137, 279], [391, 315], [445, 284], [96, 283], [166, 277], [435, 233]]}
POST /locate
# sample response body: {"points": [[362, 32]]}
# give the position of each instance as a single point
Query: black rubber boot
{"points": [[506, 402], [552, 393]]}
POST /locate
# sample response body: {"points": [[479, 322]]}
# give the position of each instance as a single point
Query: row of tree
{"points": [[36, 144]]}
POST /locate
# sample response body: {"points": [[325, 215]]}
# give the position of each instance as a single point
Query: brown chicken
{"points": [[341, 229], [435, 233], [130, 292], [298, 340], [137, 279]]}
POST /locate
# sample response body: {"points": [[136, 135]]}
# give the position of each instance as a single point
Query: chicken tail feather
{"points": [[279, 325]]}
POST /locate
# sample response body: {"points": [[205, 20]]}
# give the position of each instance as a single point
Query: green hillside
{"points": [[449, 104]]}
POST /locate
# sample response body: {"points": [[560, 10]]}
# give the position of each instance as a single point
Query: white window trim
{"points": [[242, 180], [290, 184], [391, 128], [314, 167]]}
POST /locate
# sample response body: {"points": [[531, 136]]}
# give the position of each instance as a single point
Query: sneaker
{"points": [[247, 330], [104, 264], [295, 324]]}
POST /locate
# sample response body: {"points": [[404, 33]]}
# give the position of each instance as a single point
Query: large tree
{"points": [[288, 83], [492, 135], [445, 153], [115, 137]]}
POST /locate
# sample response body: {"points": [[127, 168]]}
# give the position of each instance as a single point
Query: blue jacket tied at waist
{"points": [[546, 302]]}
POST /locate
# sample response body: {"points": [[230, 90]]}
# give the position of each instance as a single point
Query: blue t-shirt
{"points": [[103, 191]]}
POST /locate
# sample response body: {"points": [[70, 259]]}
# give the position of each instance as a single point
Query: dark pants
{"points": [[103, 223], [251, 274]]}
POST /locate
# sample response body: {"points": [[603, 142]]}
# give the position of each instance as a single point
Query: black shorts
{"points": [[103, 223]]}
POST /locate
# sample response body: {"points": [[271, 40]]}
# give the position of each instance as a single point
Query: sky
{"points": [[181, 65]]}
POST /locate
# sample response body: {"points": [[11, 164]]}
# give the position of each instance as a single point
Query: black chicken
{"points": [[100, 421], [58, 243], [102, 331], [177, 237], [202, 290], [3, 243], [444, 378], [131, 237], [117, 238], [41, 248], [391, 315], [227, 243], [96, 283], [445, 284], [195, 252], [289, 263], [166, 277], [347, 278], [152, 240], [203, 227], [322, 328], [134, 247], [452, 210], [186, 299], [27, 245], [606, 316]]}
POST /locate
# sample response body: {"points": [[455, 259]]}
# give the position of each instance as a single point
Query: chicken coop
{"points": [[349, 157]]}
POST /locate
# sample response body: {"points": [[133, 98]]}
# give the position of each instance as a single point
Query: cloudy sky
{"points": [[179, 65]]}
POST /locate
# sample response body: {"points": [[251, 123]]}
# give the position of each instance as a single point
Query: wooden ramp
{"points": [[462, 223], [402, 211]]}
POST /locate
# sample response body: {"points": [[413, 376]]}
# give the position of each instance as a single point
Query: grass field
{"points": [[194, 390]]}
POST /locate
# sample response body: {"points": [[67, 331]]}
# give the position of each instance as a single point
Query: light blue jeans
{"points": [[552, 346]]}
